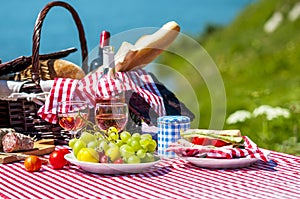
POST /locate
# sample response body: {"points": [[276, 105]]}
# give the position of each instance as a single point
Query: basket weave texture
{"points": [[21, 113]]}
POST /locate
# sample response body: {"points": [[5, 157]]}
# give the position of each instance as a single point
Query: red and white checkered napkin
{"points": [[88, 89], [251, 150]]}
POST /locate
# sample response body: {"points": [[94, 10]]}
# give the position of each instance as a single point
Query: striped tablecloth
{"points": [[174, 178]]}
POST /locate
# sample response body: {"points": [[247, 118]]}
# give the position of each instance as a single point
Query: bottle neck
{"points": [[108, 57], [109, 61], [100, 52]]}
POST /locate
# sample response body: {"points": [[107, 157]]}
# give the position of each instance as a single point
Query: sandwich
{"points": [[214, 138]]}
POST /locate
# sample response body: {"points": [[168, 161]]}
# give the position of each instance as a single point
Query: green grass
{"points": [[257, 68]]}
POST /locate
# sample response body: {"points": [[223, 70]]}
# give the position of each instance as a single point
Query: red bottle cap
{"points": [[104, 38]]}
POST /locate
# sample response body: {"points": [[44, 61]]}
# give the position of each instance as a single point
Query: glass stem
{"points": [[73, 134]]}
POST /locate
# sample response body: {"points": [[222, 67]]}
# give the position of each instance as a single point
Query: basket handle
{"points": [[37, 36]]}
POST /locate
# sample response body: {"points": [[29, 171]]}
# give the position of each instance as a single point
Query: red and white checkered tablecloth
{"points": [[174, 178]]}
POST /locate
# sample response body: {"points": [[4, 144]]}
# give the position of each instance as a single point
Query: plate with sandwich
{"points": [[221, 149]]}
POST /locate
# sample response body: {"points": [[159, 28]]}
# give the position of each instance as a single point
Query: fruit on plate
{"points": [[88, 155], [114, 147], [87, 137], [79, 144]]}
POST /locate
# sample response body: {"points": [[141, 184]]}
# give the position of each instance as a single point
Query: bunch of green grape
{"points": [[114, 147]]}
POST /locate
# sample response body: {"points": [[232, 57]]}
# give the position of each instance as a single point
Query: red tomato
{"points": [[32, 163], [57, 159], [208, 141], [201, 141], [65, 151], [219, 143]]}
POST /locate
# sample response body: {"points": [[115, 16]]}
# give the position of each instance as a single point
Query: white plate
{"points": [[224, 163], [106, 168]]}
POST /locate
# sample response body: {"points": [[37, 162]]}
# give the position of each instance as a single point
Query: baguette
{"points": [[146, 48]]}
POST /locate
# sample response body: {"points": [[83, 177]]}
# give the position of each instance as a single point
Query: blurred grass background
{"points": [[257, 68]]}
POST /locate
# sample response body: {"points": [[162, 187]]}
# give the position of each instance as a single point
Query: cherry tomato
{"points": [[57, 159], [32, 163]]}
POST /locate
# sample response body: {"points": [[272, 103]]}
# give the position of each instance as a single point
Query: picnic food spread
{"points": [[146, 98], [117, 146], [111, 160]]}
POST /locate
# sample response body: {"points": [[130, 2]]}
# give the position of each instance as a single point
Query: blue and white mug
{"points": [[169, 128]]}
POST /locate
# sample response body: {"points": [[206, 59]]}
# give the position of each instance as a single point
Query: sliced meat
{"points": [[3, 132], [16, 142]]}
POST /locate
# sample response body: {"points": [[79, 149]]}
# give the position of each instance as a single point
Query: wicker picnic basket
{"points": [[21, 113]]}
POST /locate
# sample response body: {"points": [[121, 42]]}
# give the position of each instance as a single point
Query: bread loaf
{"points": [[67, 69], [52, 68], [146, 48]]}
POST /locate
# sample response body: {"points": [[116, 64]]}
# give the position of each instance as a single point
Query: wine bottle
{"points": [[109, 75], [104, 41]]}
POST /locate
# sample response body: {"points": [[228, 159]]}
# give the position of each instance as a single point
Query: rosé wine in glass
{"points": [[72, 115], [112, 114]]}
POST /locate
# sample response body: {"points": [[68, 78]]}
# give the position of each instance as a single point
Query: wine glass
{"points": [[72, 115], [111, 114]]}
